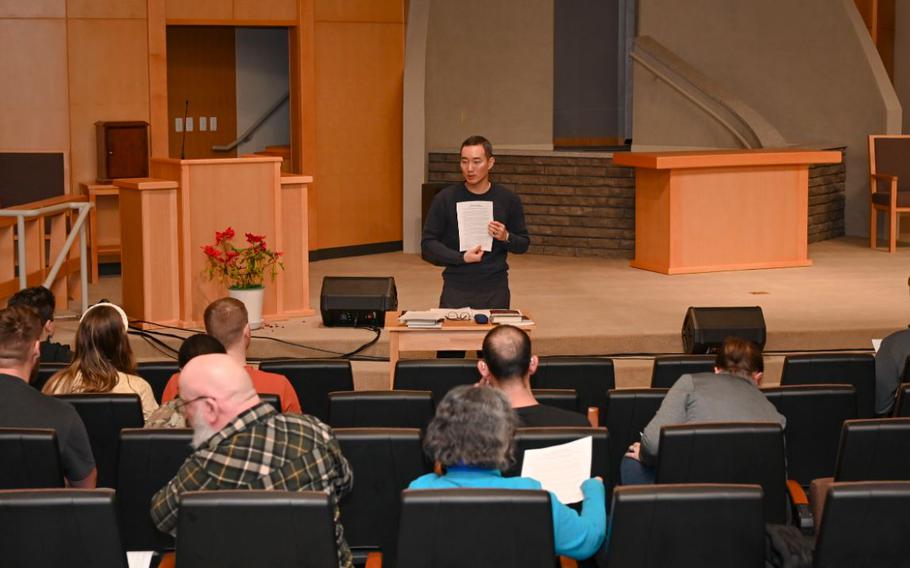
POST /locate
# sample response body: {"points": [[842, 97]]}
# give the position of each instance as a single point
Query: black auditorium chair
{"points": [[435, 375], [902, 406], [272, 399], [256, 528], [313, 380], [857, 369], [76, 528], [29, 458], [45, 372], [380, 409], [687, 526], [157, 374], [870, 450], [815, 415], [628, 412], [104, 415], [567, 399], [668, 368], [535, 438], [865, 524], [591, 377], [733, 452], [149, 459], [384, 461], [463, 528]]}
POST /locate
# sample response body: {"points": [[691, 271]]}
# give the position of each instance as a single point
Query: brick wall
{"points": [[581, 205]]}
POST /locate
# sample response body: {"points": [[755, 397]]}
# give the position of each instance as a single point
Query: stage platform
{"points": [[601, 306]]}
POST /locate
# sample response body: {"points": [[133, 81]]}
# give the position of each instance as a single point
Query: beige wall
{"points": [[808, 67], [902, 57]]}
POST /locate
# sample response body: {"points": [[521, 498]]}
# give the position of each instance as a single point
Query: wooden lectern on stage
{"points": [[167, 219], [716, 210]]}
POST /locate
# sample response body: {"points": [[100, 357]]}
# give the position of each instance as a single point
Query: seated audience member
{"points": [[226, 320], [169, 414], [889, 368], [43, 301], [104, 361], [729, 394], [21, 406], [242, 443], [507, 365], [471, 438]]}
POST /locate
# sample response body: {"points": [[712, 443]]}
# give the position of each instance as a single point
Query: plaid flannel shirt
{"points": [[261, 449]]}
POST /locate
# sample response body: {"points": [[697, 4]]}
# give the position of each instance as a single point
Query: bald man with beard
{"points": [[286, 452]]}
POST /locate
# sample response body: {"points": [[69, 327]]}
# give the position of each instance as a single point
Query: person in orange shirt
{"points": [[226, 320]]}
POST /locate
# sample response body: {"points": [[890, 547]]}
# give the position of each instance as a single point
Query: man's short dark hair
{"points": [[37, 297], [507, 352], [20, 327], [196, 345], [740, 356], [479, 141]]}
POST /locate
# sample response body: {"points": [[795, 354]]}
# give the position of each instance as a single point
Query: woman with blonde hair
{"points": [[103, 362]]}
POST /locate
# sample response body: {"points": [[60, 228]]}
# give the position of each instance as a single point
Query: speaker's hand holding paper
{"points": [[473, 221]]}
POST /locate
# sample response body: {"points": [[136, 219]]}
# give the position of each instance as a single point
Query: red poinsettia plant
{"points": [[241, 267]]}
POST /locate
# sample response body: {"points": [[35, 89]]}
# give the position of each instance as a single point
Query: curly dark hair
{"points": [[473, 426]]}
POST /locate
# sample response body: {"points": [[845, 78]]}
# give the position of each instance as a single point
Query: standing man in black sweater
{"points": [[475, 278]]}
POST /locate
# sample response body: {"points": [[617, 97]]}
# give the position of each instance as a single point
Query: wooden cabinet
{"points": [[123, 150]]}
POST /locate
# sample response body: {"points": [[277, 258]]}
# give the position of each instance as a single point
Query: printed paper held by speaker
{"points": [[474, 219]]}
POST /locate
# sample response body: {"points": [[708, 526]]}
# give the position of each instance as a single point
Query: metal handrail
{"points": [[78, 225], [255, 126]]}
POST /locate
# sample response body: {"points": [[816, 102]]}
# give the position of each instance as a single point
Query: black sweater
{"points": [[440, 234]]}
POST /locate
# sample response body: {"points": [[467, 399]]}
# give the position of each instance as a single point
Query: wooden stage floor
{"points": [[597, 306]]}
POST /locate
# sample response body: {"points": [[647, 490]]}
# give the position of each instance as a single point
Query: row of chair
{"points": [[590, 377]]}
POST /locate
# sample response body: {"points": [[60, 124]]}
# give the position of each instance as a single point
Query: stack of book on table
{"points": [[511, 317], [428, 319]]}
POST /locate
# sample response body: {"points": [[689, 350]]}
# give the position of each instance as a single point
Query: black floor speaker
{"points": [[704, 329], [351, 301]]}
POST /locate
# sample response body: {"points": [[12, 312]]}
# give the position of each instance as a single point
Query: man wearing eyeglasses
{"points": [[475, 278], [242, 443]]}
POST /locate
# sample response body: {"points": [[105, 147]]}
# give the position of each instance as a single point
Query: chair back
{"points": [[385, 460], [31, 458], [628, 412], [45, 372], [272, 399], [888, 155], [668, 368], [902, 406], [380, 409], [815, 416], [590, 377], [438, 376], [687, 526], [857, 369], [104, 416], [874, 450], [149, 459], [256, 528], [463, 528], [76, 528], [313, 380], [567, 399], [535, 438], [865, 524], [728, 452], [157, 374]]}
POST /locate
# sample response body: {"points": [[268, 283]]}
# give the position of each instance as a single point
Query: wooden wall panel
{"points": [[201, 69], [375, 11], [127, 9], [32, 9], [358, 132], [265, 10], [200, 9], [108, 61], [34, 110]]}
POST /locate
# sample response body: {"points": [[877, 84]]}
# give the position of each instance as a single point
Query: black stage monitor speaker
{"points": [[704, 329], [357, 300]]}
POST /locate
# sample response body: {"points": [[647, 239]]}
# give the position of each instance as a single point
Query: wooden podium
{"points": [[719, 210], [167, 219]]}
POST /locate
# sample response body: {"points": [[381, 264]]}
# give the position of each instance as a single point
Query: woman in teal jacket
{"points": [[471, 438]]}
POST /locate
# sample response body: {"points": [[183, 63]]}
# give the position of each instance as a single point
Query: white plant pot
{"points": [[252, 299]]}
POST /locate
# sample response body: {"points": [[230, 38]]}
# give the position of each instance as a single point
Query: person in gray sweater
{"points": [[730, 394]]}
